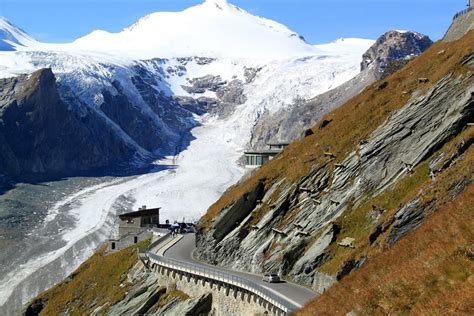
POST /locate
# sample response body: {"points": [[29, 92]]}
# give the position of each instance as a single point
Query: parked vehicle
{"points": [[189, 229], [271, 278]]}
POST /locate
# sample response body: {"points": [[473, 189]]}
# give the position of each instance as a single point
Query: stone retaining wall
{"points": [[225, 301]]}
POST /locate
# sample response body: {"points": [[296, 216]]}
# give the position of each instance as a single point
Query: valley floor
{"points": [[185, 186]]}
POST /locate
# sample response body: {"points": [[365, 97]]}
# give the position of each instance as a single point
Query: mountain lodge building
{"points": [[255, 159], [134, 227], [136, 221]]}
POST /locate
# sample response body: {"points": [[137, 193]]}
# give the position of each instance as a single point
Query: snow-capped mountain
{"points": [[149, 100], [214, 28], [188, 88], [12, 37], [198, 111], [170, 68]]}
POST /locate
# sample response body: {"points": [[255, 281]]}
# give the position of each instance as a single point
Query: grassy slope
{"points": [[354, 121], [430, 271], [356, 222], [95, 283]]}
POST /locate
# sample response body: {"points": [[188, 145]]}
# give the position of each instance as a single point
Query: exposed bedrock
{"points": [[393, 46], [219, 96], [40, 134], [296, 248], [52, 127]]}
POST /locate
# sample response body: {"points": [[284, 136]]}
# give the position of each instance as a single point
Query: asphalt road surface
{"points": [[183, 250]]}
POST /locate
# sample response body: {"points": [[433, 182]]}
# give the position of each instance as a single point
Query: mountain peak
{"points": [[219, 4], [393, 46], [213, 28]]}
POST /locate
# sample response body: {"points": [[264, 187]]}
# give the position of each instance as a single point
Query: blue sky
{"points": [[319, 21]]}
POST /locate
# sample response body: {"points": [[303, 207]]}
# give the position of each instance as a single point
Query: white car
{"points": [[271, 278]]}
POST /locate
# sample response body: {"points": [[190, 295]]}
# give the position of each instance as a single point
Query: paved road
{"points": [[183, 250]]}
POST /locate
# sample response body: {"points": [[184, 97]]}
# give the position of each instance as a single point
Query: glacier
{"points": [[168, 50]]}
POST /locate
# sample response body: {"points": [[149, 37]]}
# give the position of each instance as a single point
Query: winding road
{"points": [[184, 248]]}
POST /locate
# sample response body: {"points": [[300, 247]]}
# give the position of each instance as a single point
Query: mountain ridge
{"points": [[201, 30], [12, 37], [198, 112], [368, 174], [162, 34]]}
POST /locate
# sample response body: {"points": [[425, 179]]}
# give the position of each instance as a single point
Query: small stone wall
{"points": [[128, 240]]}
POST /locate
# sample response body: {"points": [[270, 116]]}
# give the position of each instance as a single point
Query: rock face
{"points": [[149, 296], [406, 219], [67, 124], [393, 46], [289, 124], [40, 134], [199, 306], [48, 129], [293, 231], [227, 94]]}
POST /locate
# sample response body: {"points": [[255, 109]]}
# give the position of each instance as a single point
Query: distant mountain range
{"points": [[137, 94]]}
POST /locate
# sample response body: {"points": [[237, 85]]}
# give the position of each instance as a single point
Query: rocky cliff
{"points": [[117, 284], [393, 46], [48, 127], [365, 177], [390, 52], [39, 133], [428, 272]]}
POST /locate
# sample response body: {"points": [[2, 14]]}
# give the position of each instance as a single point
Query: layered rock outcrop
{"points": [[360, 181]]}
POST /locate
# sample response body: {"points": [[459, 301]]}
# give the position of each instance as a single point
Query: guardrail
{"points": [[220, 276], [154, 244]]}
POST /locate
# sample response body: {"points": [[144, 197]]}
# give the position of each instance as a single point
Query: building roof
{"points": [[263, 152], [140, 213], [278, 143]]}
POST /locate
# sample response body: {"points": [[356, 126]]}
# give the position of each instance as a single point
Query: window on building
{"points": [[256, 160]]}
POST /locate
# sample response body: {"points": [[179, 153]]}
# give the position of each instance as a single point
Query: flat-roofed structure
{"points": [[255, 159], [134, 227], [142, 218]]}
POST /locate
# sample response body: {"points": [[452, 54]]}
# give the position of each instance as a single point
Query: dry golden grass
{"points": [[429, 272], [354, 121], [95, 283], [356, 222], [432, 194]]}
